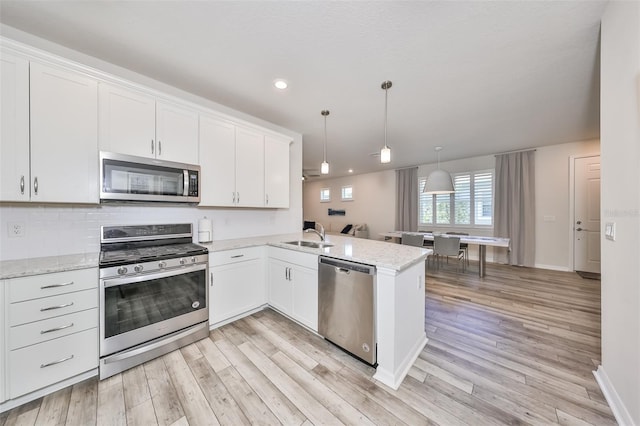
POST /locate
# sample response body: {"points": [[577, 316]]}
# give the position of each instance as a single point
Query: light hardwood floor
{"points": [[517, 347]]}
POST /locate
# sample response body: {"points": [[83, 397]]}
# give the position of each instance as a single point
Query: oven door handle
{"points": [[154, 275]]}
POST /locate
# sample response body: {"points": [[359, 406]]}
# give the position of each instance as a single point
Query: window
{"points": [[325, 195], [470, 205], [347, 193]]}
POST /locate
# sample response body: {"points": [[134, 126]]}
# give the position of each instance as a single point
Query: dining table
{"points": [[481, 241]]}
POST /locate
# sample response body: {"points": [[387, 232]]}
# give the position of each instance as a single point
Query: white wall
{"points": [[373, 201], [377, 207], [58, 229], [620, 135], [554, 237]]}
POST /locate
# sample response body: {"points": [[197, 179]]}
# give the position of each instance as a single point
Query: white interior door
{"points": [[586, 234]]}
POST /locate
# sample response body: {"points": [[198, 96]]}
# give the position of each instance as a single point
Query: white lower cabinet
{"points": [[237, 283], [34, 367], [293, 285], [50, 330], [2, 348]]}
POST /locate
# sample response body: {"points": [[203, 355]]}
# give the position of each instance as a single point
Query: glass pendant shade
{"points": [[439, 182], [385, 155], [324, 168]]}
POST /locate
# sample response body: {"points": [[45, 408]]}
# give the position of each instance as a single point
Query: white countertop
{"points": [[378, 253], [45, 265]]}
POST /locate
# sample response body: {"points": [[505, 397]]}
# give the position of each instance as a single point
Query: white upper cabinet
{"points": [[136, 124], [127, 122], [177, 133], [242, 167], [49, 144], [217, 162], [276, 172], [14, 131], [64, 136], [249, 168]]}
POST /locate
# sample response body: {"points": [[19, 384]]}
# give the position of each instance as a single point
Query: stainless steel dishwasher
{"points": [[346, 306]]}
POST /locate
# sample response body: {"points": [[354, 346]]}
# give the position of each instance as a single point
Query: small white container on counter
{"points": [[205, 230]]}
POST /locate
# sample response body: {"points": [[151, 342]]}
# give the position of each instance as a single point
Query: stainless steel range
{"points": [[153, 293]]}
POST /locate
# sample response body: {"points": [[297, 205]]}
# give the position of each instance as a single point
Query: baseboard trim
{"points": [[552, 267], [618, 408]]}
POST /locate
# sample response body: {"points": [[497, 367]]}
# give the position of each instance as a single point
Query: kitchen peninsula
{"points": [[399, 290]]}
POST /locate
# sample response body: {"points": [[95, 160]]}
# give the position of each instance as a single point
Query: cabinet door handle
{"points": [[35, 185], [159, 147], [51, 330], [211, 279], [56, 362], [51, 308], [152, 146], [56, 285], [22, 185], [267, 198], [238, 197], [234, 197]]}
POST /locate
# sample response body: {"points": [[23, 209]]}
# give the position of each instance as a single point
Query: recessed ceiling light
{"points": [[350, 170], [280, 84]]}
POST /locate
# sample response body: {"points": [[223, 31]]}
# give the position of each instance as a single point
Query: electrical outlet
{"points": [[16, 229]]}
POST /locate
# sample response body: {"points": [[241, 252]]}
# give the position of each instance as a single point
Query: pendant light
{"points": [[439, 181], [324, 167], [385, 152]]}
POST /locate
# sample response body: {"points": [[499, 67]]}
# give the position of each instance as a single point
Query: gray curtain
{"points": [[407, 199], [515, 206]]}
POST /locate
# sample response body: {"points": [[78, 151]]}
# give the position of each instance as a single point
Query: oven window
{"points": [[132, 306]]}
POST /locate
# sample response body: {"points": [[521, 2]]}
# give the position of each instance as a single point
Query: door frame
{"points": [[572, 204]]}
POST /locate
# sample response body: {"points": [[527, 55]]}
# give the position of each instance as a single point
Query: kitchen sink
{"points": [[312, 244]]}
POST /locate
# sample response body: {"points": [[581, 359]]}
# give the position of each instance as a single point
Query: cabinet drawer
{"points": [[234, 256], [295, 257], [36, 286], [41, 365], [52, 328], [54, 306]]}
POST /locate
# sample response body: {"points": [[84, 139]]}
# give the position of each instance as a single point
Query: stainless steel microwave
{"points": [[129, 178]]}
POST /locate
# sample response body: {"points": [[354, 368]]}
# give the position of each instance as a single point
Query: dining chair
{"points": [[463, 246], [448, 246], [427, 243], [412, 239], [416, 240]]}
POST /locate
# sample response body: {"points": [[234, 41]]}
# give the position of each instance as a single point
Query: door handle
{"points": [[580, 229]]}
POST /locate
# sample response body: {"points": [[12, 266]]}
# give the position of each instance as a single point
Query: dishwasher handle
{"points": [[345, 266]]}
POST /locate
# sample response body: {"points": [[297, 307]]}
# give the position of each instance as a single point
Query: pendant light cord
{"points": [[386, 92], [324, 113]]}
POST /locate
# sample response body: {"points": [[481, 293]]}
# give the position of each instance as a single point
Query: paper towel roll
{"points": [[205, 230]]}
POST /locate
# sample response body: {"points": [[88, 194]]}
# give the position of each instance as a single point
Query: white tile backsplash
{"points": [[52, 230]]}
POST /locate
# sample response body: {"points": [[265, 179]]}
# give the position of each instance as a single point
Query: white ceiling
{"points": [[476, 77]]}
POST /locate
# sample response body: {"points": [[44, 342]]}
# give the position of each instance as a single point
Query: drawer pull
{"points": [[56, 285], [62, 327], [237, 256], [50, 308], [56, 362]]}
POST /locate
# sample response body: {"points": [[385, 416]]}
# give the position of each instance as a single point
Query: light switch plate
{"points": [[610, 231]]}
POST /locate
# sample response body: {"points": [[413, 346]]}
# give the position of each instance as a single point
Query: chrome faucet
{"points": [[319, 234]]}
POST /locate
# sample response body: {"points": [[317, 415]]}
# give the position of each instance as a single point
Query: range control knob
{"points": [[193, 259], [122, 270], [183, 261], [162, 264], [138, 268]]}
